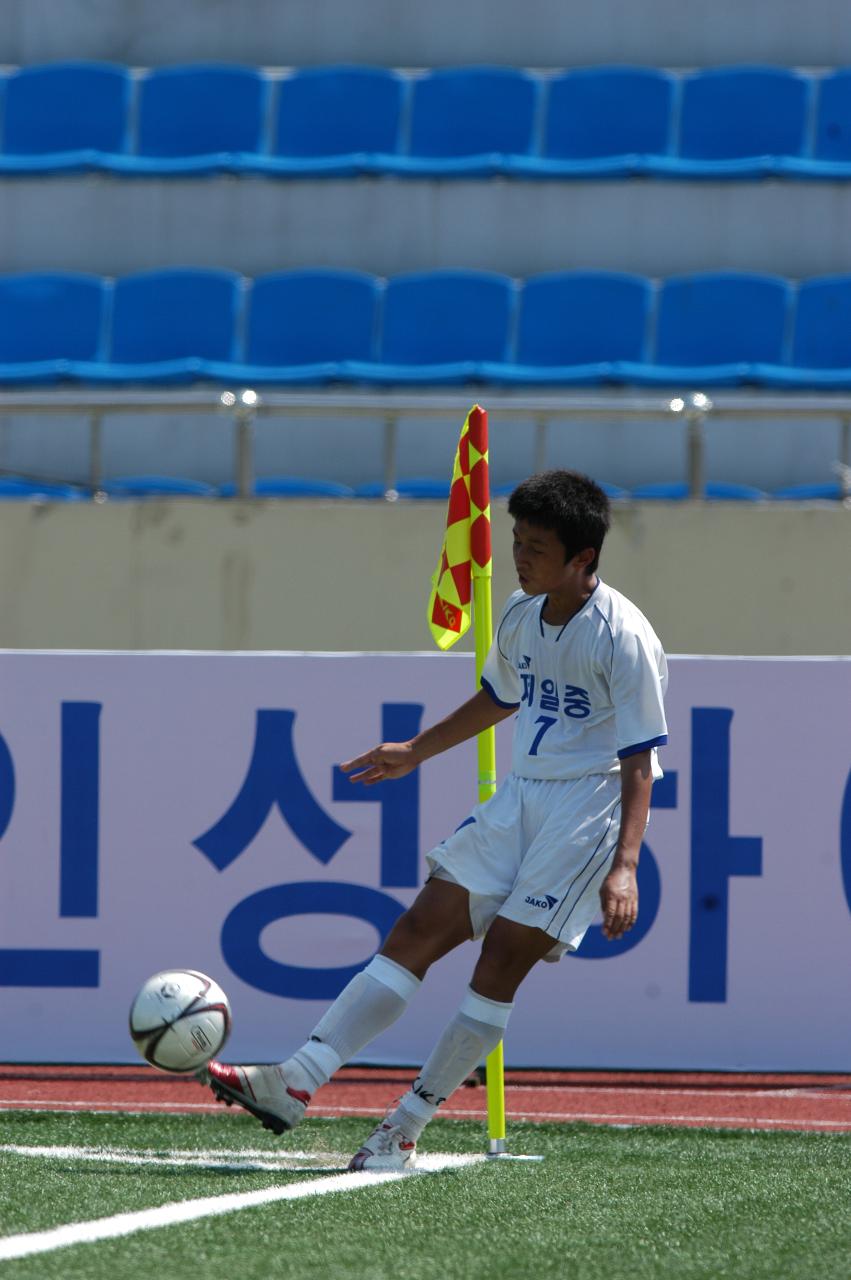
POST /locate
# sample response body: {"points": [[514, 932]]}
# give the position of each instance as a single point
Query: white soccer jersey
{"points": [[588, 693]]}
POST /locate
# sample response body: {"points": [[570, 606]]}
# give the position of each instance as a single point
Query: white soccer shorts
{"points": [[536, 852]]}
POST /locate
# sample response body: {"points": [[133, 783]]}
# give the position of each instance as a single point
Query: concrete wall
{"points": [[387, 226], [449, 32], [292, 575]]}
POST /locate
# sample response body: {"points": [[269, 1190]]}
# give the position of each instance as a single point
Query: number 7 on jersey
{"points": [[546, 722]]}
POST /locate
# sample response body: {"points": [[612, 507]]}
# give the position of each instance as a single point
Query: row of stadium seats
{"points": [[444, 327], [338, 121], [16, 488]]}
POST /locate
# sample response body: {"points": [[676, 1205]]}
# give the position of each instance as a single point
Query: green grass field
{"points": [[605, 1204]]}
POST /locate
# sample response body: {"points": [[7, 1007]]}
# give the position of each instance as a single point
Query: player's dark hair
{"points": [[572, 505]]}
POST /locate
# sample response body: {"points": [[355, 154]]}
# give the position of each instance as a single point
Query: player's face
{"points": [[539, 561]]}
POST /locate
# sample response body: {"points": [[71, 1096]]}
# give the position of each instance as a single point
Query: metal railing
{"points": [[693, 411]]}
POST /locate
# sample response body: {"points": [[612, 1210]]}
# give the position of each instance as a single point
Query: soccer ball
{"points": [[179, 1020]]}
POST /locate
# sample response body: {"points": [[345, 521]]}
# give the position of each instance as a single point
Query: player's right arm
{"points": [[395, 759]]}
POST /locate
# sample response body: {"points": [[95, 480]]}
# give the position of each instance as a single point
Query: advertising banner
{"points": [[167, 810]]}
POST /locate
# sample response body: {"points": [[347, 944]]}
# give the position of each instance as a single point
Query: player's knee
{"points": [[495, 969], [411, 942], [412, 926], [420, 936], [501, 948], [508, 952]]}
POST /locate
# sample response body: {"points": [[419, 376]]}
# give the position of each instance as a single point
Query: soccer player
{"points": [[583, 672]]}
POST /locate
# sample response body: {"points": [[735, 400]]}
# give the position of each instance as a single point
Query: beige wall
{"points": [[290, 575]]}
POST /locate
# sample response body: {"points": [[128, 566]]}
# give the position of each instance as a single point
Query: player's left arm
{"points": [[619, 890]]}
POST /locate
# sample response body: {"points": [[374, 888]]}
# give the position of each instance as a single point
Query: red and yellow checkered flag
{"points": [[466, 549]]}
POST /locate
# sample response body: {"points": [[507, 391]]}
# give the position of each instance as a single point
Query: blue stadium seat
{"points": [[613, 491], [827, 491], [442, 327], [423, 488], [48, 320], [730, 491], [201, 114], [464, 120], [336, 119], [169, 325], [716, 491], [417, 487], [833, 118], [372, 489], [821, 342], [831, 154], [735, 120], [292, 487], [56, 116], [303, 323], [822, 338], [439, 326], [18, 489], [603, 120], [157, 487], [575, 325], [715, 328]]}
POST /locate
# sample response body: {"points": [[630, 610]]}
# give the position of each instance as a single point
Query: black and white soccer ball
{"points": [[179, 1020]]}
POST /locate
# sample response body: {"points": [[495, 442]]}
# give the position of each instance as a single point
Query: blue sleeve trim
{"points": [[489, 689], [643, 746]]}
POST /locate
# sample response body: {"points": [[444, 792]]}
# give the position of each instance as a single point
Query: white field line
{"points": [[190, 1154], [125, 1224], [229, 1161]]}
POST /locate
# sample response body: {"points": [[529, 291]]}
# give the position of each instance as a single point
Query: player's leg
{"points": [[278, 1094], [509, 951], [439, 921], [550, 904]]}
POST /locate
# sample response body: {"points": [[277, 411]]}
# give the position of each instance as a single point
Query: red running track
{"points": [[819, 1103]]}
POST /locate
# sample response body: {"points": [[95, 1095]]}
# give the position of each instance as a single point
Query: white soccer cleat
{"points": [[261, 1090], [387, 1148]]}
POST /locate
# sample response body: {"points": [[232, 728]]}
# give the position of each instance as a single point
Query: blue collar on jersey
{"points": [[566, 624]]}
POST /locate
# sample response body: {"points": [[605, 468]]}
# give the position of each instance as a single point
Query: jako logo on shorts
{"points": [[547, 902]]}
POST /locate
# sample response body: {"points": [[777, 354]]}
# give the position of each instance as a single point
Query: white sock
{"points": [[473, 1033], [371, 1002]]}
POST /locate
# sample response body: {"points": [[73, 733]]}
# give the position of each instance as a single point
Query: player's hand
{"points": [[382, 764], [619, 900]]}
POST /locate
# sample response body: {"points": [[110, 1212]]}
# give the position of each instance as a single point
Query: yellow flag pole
{"points": [[486, 746], [486, 742], [482, 574], [467, 542]]}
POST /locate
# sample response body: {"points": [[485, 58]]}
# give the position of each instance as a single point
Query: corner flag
{"points": [[463, 577], [466, 551]]}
